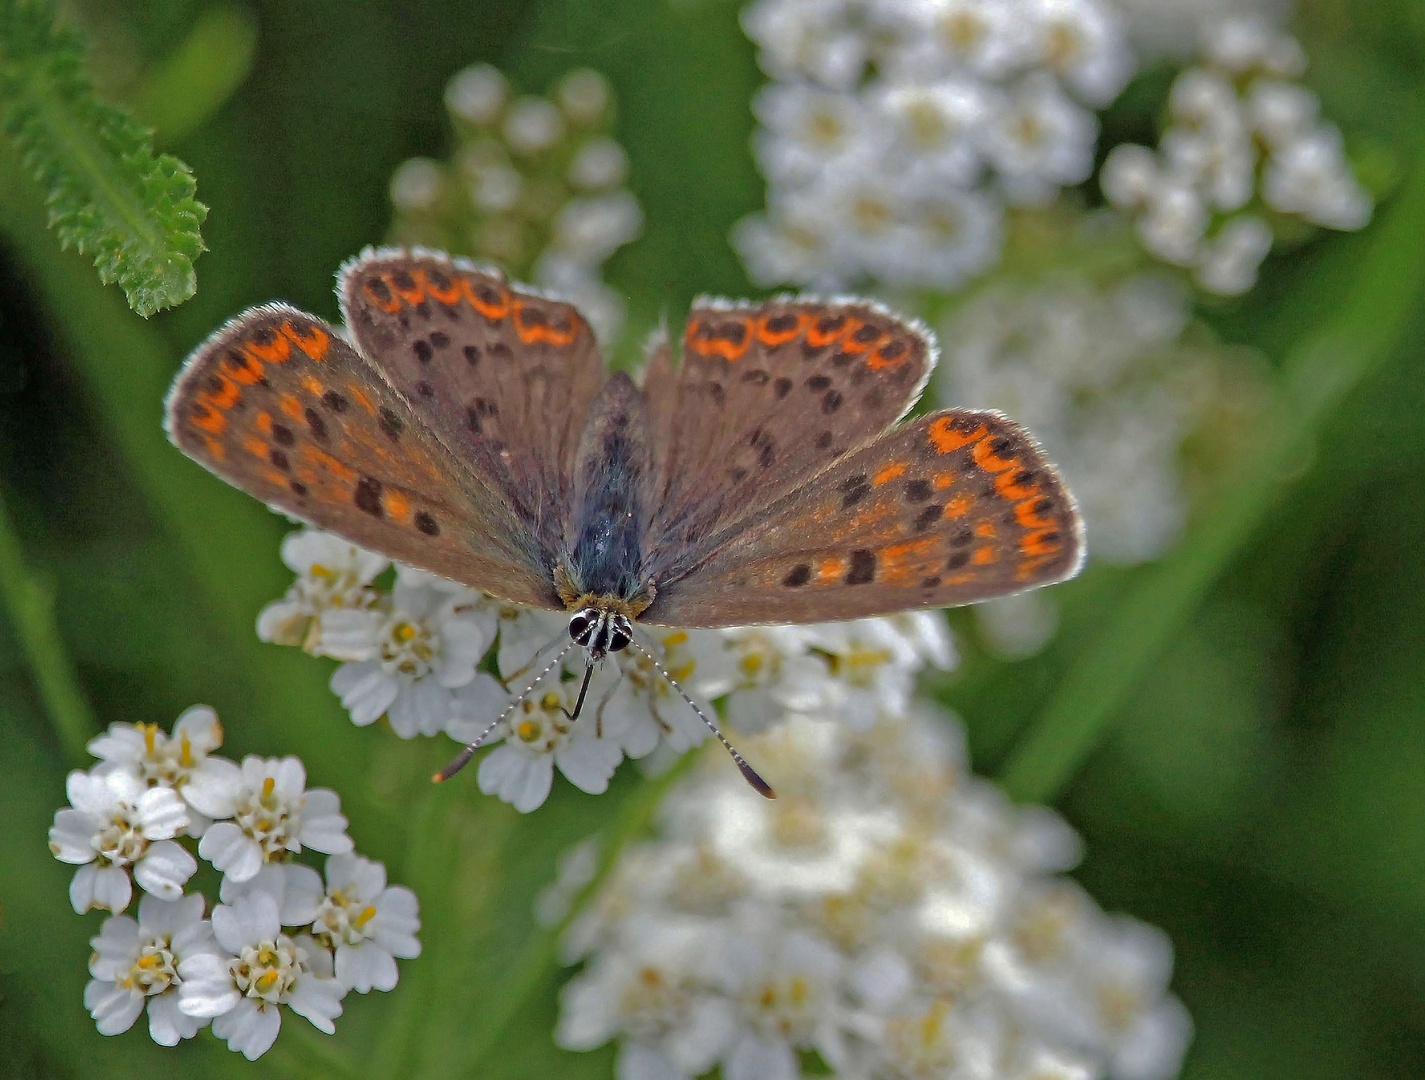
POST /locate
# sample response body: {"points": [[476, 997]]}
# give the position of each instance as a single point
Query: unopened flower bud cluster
{"points": [[1245, 145], [280, 937], [888, 917], [433, 657], [534, 185], [896, 131]]}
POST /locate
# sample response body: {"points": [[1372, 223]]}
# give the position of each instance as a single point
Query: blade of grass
{"points": [[29, 601], [1329, 363]]}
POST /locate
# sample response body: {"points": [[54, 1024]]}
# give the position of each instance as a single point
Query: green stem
{"points": [[29, 601], [1318, 374], [541, 955]]}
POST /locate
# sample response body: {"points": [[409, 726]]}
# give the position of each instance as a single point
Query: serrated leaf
{"points": [[109, 196]]}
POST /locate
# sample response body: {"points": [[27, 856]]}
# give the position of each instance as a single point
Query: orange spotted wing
{"points": [[767, 396], [278, 404], [848, 519], [500, 375]]}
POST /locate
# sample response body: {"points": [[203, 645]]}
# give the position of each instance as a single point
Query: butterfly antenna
{"points": [[463, 758], [748, 772]]}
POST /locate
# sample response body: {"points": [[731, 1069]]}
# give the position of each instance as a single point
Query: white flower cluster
{"points": [[896, 130], [535, 185], [414, 655], [1103, 378], [130, 814], [1241, 130], [888, 914]]}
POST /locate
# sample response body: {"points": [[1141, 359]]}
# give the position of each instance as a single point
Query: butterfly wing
{"points": [[768, 395], [279, 405], [503, 377], [950, 508]]}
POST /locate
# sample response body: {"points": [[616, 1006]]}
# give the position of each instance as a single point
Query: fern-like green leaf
{"points": [[109, 196]]}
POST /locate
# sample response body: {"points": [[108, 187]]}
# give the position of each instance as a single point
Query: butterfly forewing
{"points": [[503, 377], [279, 405], [951, 508], [767, 396]]}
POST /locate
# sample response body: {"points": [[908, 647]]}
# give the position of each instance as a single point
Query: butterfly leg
{"points": [[583, 691]]}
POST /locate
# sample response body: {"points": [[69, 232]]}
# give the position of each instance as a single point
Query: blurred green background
{"points": [[1259, 787]]}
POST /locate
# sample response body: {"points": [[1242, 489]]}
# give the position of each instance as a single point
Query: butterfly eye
{"points": [[620, 633], [581, 626]]}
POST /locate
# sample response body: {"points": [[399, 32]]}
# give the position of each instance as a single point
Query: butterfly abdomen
{"points": [[605, 532]]}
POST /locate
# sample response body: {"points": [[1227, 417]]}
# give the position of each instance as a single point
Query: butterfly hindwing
{"points": [[951, 508], [503, 377], [279, 405], [767, 396]]}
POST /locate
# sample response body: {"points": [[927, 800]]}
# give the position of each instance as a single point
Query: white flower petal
{"points": [[167, 1024], [207, 989], [213, 786], [231, 850], [249, 1029], [365, 966], [114, 1008], [319, 1000], [365, 690], [71, 836], [165, 869]]}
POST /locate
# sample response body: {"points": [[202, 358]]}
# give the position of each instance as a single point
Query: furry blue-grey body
{"points": [[606, 531]]}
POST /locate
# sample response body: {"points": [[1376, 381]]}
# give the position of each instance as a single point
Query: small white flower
{"points": [[601, 163], [117, 822], [1130, 173], [1083, 43], [592, 227], [1229, 261], [533, 125], [540, 735], [272, 813], [476, 94], [1246, 43], [258, 970], [656, 994], [873, 663], [366, 922], [135, 964], [990, 38], [331, 573], [791, 245], [1040, 141], [812, 39], [1281, 112], [784, 986], [935, 127], [644, 706], [763, 671], [297, 890], [406, 660], [165, 760], [1309, 176], [584, 95], [417, 187], [805, 130], [1173, 223], [1019, 626]]}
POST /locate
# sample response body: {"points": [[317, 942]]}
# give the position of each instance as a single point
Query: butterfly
{"points": [[466, 426]]}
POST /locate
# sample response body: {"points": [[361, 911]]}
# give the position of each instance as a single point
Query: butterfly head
{"points": [[600, 631]]}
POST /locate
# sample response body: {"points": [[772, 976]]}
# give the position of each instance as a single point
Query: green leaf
{"points": [[108, 195]]}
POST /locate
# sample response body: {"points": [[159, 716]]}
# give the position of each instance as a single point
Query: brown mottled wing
{"points": [[503, 378], [768, 395], [950, 508], [277, 404]]}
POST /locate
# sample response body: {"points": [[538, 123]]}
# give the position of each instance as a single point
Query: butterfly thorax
{"points": [[602, 567]]}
